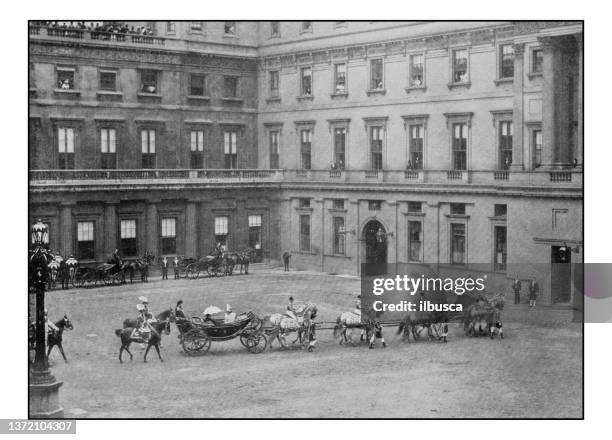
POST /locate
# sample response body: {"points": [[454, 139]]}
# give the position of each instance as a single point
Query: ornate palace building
{"points": [[342, 143]]}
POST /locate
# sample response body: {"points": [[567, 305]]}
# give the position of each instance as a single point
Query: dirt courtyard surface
{"points": [[536, 371]]}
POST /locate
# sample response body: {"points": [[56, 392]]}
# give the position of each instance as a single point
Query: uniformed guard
{"points": [[175, 264], [516, 287], [533, 292], [377, 334], [164, 265]]}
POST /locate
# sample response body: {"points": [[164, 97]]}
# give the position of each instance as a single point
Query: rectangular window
{"points": [[229, 28], [221, 230], [376, 74], [168, 235], [340, 147], [500, 248], [376, 152], [506, 61], [304, 203], [230, 86], [460, 146], [416, 146], [306, 26], [460, 66], [274, 139], [147, 140], [338, 203], [65, 141], [108, 80], [374, 205], [195, 26], [457, 243], [415, 206], [340, 78], [255, 232], [339, 239], [304, 233], [306, 81], [85, 241], [537, 148], [197, 85], [65, 79], [275, 28], [414, 241], [537, 61], [170, 27], [305, 148], [108, 148], [417, 71], [197, 149], [274, 84], [229, 149], [500, 210], [127, 235], [457, 208], [505, 144], [148, 81]]}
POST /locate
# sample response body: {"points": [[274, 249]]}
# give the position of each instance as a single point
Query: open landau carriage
{"points": [[197, 334]]}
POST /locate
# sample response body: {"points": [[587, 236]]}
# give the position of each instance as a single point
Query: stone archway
{"points": [[374, 239]]}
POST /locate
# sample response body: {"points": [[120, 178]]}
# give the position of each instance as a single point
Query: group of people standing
{"points": [[534, 289], [166, 263]]}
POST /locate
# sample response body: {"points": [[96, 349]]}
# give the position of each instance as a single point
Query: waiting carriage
{"points": [[197, 335], [105, 274], [214, 265]]}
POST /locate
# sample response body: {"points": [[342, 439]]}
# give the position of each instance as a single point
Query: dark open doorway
{"points": [[375, 239], [561, 274]]}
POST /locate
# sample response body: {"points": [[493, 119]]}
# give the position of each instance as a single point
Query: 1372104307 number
{"points": [[66, 426]]}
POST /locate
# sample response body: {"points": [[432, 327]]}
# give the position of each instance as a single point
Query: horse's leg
{"points": [[61, 349], [147, 351], [127, 348], [120, 353], [158, 352], [49, 350]]}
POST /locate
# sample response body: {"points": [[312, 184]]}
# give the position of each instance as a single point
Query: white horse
{"points": [[346, 323], [283, 324]]}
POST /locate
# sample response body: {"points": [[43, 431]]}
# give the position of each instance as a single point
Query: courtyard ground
{"points": [[536, 371]]}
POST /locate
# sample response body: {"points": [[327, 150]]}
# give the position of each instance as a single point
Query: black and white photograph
{"points": [[260, 219]]}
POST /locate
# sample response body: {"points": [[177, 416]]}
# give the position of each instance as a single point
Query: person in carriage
{"points": [[291, 309], [230, 316], [179, 313], [115, 258]]}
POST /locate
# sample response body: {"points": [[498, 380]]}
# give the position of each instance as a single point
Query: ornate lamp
{"points": [[44, 387], [381, 235]]}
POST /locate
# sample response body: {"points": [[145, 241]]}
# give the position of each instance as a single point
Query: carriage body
{"points": [[197, 334], [214, 265], [104, 274]]}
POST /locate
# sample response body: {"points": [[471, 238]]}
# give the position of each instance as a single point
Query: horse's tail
{"points": [[118, 332], [401, 326]]}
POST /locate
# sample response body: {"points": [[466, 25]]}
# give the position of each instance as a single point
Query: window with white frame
{"points": [[274, 84], [170, 27], [340, 85], [108, 148], [221, 230], [536, 140], [340, 147], [255, 232], [147, 142], [305, 149], [415, 144], [417, 71], [376, 74], [197, 149], [108, 80], [305, 233], [537, 60], [460, 66], [506, 61], [148, 81], [65, 78], [306, 81], [459, 147], [85, 241], [339, 236], [274, 141], [65, 142], [197, 85], [229, 149], [505, 144], [414, 240], [501, 249], [168, 235], [127, 235], [376, 147], [457, 243]]}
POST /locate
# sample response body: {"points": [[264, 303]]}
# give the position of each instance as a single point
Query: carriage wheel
{"points": [[117, 279], [243, 341], [212, 271], [256, 323], [195, 343], [256, 343], [191, 272], [88, 281]]}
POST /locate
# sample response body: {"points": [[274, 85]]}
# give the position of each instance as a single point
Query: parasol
{"points": [[211, 310]]}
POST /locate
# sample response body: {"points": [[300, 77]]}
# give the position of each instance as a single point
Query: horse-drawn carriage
{"points": [[215, 265], [104, 274], [197, 334]]}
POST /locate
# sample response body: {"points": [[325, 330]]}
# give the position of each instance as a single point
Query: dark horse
{"points": [[55, 337], [141, 265], [239, 258], [415, 322], [161, 326]]}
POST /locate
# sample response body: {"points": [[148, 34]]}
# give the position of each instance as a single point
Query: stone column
{"points": [[66, 241], [549, 129], [152, 226], [518, 107], [110, 228], [191, 229], [578, 152]]}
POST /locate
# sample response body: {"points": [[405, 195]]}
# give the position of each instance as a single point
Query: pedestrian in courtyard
{"points": [[286, 257], [175, 264], [164, 266], [534, 289], [516, 287]]}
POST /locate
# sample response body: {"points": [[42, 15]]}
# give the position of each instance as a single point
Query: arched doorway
{"points": [[375, 240]]}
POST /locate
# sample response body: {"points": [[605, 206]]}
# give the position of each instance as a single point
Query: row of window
{"points": [[150, 81], [230, 28], [416, 72], [415, 236], [108, 148], [128, 242], [416, 135]]}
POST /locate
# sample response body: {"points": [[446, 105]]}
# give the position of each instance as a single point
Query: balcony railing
{"points": [[492, 178], [88, 34]]}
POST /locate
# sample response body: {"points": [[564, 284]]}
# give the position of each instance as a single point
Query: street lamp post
{"points": [[44, 387]]}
